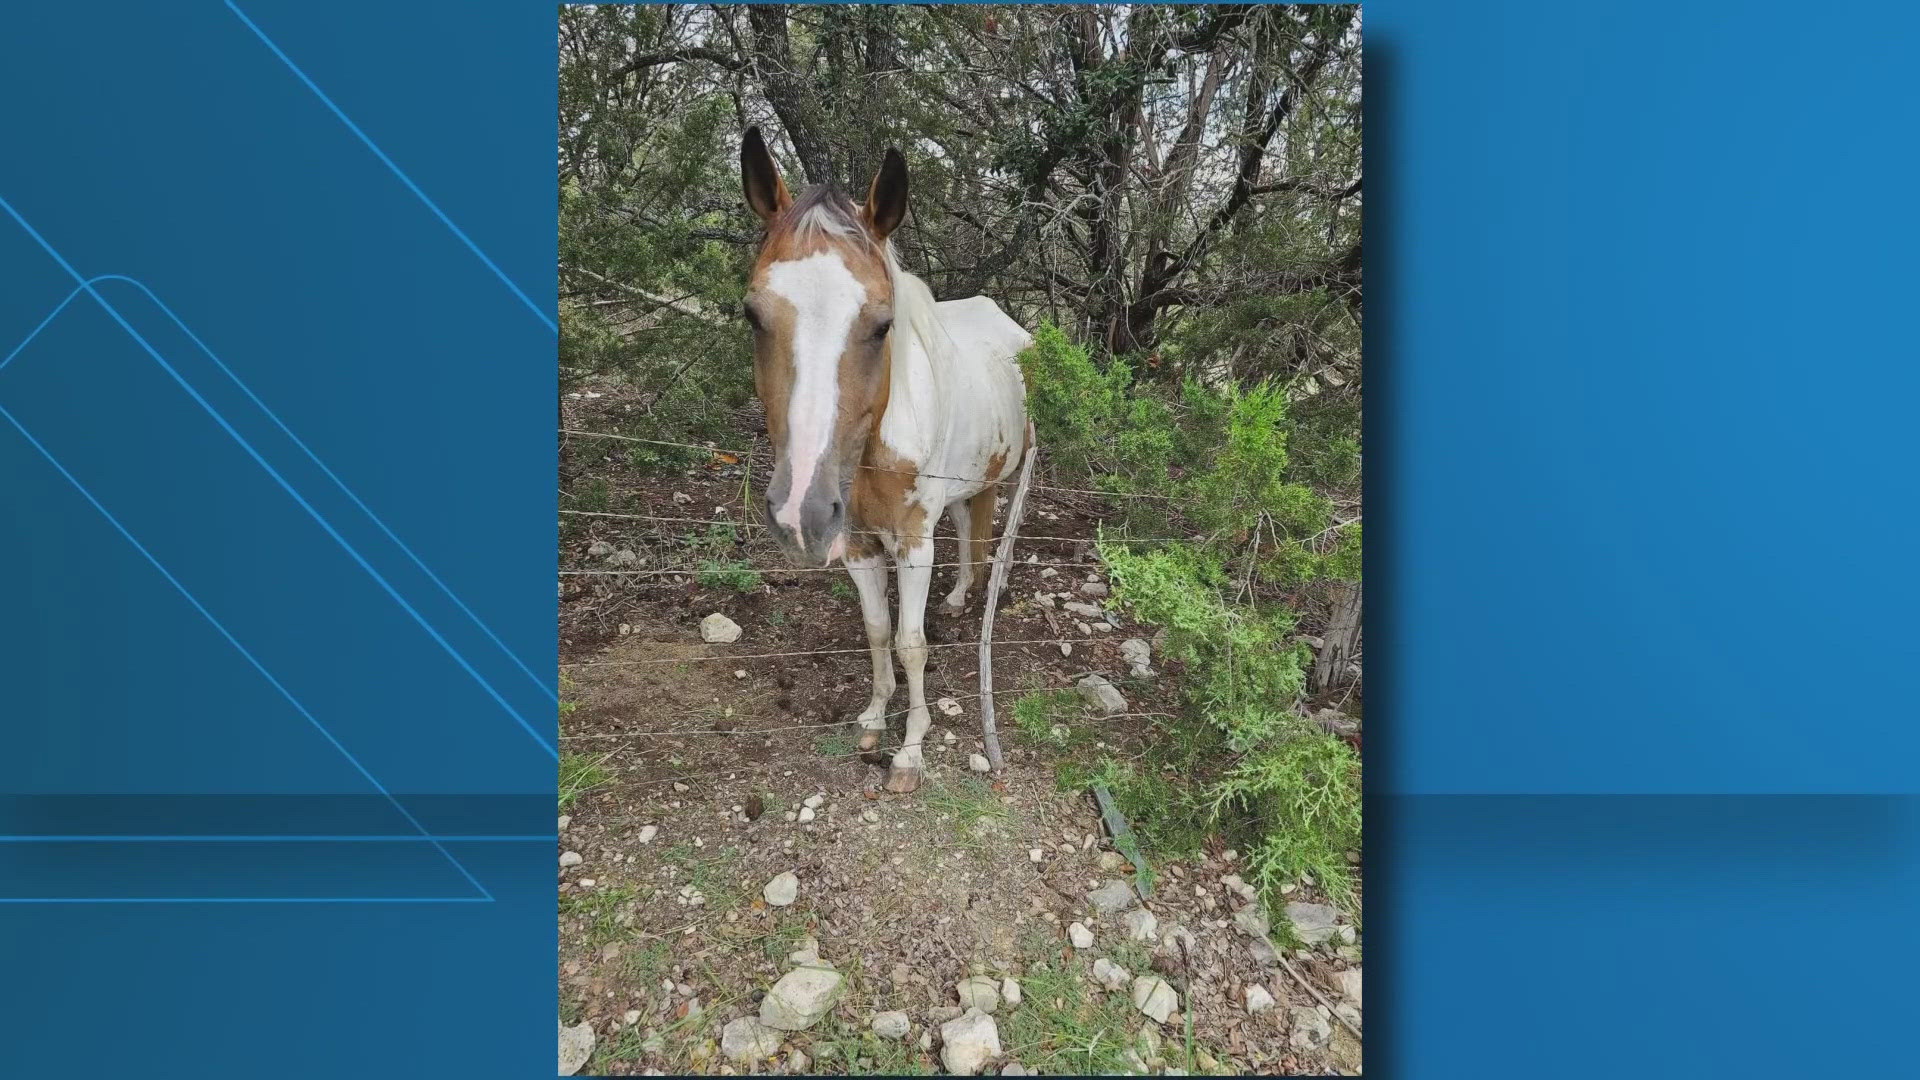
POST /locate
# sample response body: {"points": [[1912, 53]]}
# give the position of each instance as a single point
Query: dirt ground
{"points": [[704, 757]]}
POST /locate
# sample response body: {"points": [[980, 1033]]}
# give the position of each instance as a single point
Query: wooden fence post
{"points": [[1001, 563]]}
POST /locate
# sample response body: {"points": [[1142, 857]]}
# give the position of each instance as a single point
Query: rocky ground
{"points": [[739, 895]]}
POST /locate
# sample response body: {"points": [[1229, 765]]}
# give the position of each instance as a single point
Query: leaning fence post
{"points": [[1001, 561]]}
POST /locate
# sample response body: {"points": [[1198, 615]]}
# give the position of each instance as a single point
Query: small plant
{"points": [[581, 773], [738, 576], [841, 589], [1039, 713], [1305, 794]]}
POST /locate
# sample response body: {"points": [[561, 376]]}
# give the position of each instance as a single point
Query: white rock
{"points": [[1110, 975], [797, 1062], [599, 549], [968, 1043], [1036, 854], [576, 1046], [1310, 1029], [1045, 572], [1349, 983], [979, 763], [1081, 937], [1102, 694], [1095, 589], [1066, 648], [1087, 610], [631, 1017], [647, 833], [1258, 1000], [812, 802], [806, 814], [680, 787], [782, 890], [1251, 921], [1312, 923], [1010, 991], [1141, 924], [892, 1025], [739, 673], [681, 498], [870, 816], [747, 1040], [717, 629], [571, 858], [800, 998], [586, 883], [1115, 895], [1152, 996], [949, 706], [978, 992], [623, 558], [565, 820], [947, 736]]}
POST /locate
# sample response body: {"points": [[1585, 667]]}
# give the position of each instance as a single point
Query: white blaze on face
{"points": [[826, 298]]}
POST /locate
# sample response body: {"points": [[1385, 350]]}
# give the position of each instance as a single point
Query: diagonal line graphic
{"points": [[395, 169], [319, 519], [337, 482], [235, 642]]}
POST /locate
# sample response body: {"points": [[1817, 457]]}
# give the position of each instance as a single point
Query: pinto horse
{"points": [[884, 408]]}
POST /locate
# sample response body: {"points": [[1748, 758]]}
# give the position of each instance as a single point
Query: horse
{"points": [[884, 408]]}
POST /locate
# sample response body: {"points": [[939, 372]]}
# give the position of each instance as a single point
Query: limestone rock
{"points": [[979, 992], [968, 1043], [717, 629], [892, 1025], [800, 998], [1140, 924], [1112, 896], [747, 1040], [782, 890], [576, 1046], [1102, 694], [1152, 996], [1109, 974], [1310, 1030], [1312, 923]]}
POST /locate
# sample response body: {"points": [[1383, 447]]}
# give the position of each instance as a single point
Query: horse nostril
{"points": [[833, 512]]}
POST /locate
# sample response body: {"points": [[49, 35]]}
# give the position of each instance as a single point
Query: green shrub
{"points": [[718, 574]]}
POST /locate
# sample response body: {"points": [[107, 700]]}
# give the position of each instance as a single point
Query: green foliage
{"points": [[1035, 714], [1302, 798], [581, 773], [718, 574]]}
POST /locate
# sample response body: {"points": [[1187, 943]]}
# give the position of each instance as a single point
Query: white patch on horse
{"points": [[826, 299]]}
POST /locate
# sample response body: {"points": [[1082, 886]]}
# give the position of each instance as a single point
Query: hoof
{"points": [[869, 740], [948, 607], [902, 781], [876, 757]]}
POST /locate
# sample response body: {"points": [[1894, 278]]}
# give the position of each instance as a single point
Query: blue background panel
{"points": [[1639, 567]]}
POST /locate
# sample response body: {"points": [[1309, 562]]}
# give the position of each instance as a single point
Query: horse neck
{"points": [[918, 362]]}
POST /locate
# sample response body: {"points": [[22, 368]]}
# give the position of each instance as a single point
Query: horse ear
{"points": [[760, 178], [887, 198]]}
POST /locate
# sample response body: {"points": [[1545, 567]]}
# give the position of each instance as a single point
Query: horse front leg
{"points": [[915, 568], [870, 577]]}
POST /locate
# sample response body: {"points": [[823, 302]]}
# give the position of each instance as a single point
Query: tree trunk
{"points": [[1342, 639]]}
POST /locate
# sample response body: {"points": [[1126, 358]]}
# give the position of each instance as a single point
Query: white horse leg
{"points": [[870, 577], [962, 517], [915, 567]]}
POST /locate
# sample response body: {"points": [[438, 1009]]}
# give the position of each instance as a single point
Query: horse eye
{"points": [[753, 320], [881, 330]]}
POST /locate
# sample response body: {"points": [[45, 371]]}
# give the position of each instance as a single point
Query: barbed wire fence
{"points": [[998, 567]]}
